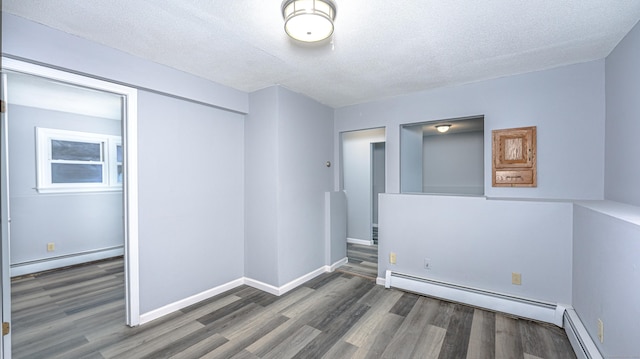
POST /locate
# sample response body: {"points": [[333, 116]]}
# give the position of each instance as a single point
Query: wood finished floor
{"points": [[363, 260], [79, 313]]}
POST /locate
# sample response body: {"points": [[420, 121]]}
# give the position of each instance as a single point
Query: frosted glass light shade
{"points": [[308, 20], [443, 128]]}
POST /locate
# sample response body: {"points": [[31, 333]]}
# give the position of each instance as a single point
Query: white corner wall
{"points": [[606, 273], [288, 141]]}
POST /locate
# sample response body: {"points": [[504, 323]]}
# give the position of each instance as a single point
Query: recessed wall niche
{"points": [[437, 162]]}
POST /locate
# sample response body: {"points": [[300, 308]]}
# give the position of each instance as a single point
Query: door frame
{"points": [[130, 183], [5, 220]]}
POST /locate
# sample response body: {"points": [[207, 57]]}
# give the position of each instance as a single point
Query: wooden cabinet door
{"points": [[514, 157]]}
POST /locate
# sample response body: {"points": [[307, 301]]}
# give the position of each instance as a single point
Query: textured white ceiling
{"points": [[380, 48]]}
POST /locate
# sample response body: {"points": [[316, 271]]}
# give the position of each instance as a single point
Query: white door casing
{"points": [[130, 187]]}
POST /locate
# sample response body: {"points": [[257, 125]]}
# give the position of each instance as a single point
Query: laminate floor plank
{"points": [[362, 261], [482, 339], [429, 345], [342, 350], [332, 332], [79, 312], [144, 344], [386, 330], [201, 348], [406, 338], [404, 304], [291, 346], [240, 342], [508, 342], [456, 341], [244, 355], [363, 332]]}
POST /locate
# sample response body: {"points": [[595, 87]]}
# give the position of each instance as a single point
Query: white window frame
{"points": [[108, 144]]}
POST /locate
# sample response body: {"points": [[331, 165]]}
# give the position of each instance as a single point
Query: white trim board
{"points": [[336, 265], [582, 344], [130, 187], [46, 264], [499, 302], [294, 283], [183, 303], [366, 242]]}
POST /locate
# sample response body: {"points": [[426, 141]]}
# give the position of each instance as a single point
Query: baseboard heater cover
{"points": [[500, 302], [582, 344], [44, 264]]}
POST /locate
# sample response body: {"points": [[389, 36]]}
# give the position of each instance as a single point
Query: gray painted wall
{"points": [[566, 104], [336, 226], [411, 160], [289, 139], [305, 143], [477, 242], [76, 222], [357, 172], [191, 198], [622, 169], [191, 213], [378, 176], [606, 244], [454, 163], [489, 239], [261, 187]]}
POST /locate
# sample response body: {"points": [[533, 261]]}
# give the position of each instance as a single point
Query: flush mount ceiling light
{"points": [[308, 20], [443, 128]]}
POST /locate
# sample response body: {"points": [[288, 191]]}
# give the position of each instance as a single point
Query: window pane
{"points": [[119, 154], [75, 151], [75, 173], [119, 173]]}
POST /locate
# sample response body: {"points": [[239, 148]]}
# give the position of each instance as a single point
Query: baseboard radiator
{"points": [[582, 344], [520, 307]]}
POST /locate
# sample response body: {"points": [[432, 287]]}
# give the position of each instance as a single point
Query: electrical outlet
{"points": [[600, 330], [516, 278], [51, 247], [427, 264], [392, 258]]}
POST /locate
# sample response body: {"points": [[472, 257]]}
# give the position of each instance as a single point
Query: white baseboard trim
{"points": [[262, 286], [286, 287], [175, 306], [582, 344], [336, 265], [46, 264], [380, 281], [521, 307], [365, 242], [183, 303]]}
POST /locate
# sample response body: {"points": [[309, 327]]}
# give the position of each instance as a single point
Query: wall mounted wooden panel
{"points": [[514, 161]]}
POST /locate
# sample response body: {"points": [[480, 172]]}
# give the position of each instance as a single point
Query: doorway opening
{"points": [[363, 179], [69, 192]]}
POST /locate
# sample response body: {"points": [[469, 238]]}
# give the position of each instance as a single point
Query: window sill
{"points": [[71, 190]]}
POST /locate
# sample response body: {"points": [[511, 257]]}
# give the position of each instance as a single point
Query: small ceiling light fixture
{"points": [[443, 128], [308, 20]]}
